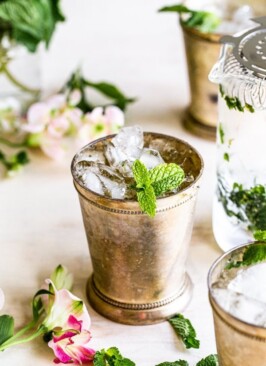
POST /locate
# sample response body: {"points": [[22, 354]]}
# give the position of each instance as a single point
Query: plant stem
{"points": [[16, 82], [20, 333], [12, 144], [13, 342]]}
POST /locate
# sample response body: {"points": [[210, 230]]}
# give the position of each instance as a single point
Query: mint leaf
{"points": [[221, 133], [255, 253], [14, 162], [166, 177], [185, 331], [211, 360], [260, 235], [111, 357], [147, 200], [6, 328], [204, 21], [175, 363], [141, 174]]}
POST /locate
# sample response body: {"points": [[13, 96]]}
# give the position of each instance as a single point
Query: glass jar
{"points": [[19, 81], [239, 209]]}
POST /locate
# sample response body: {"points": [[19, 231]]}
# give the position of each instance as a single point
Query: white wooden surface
{"points": [[40, 221]]}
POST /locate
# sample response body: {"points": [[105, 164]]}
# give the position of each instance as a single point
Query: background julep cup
{"points": [[238, 342], [202, 51], [139, 274]]}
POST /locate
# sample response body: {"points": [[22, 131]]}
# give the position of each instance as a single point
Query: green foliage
{"points": [[152, 183], [221, 133], [111, 357], [30, 22], [14, 162], [37, 304], [260, 235], [211, 360], [117, 97], [175, 363], [185, 331], [234, 102], [226, 157], [204, 21], [250, 205], [255, 253], [166, 177], [6, 328]]}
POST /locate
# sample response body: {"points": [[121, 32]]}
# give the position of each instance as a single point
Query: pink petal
{"points": [[37, 117], [74, 97], [2, 298], [74, 116], [57, 101], [66, 304], [52, 148], [58, 127], [64, 335], [74, 323], [96, 115], [115, 116], [59, 352]]}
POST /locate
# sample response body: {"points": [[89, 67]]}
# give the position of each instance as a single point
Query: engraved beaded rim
{"points": [[155, 134], [128, 306]]}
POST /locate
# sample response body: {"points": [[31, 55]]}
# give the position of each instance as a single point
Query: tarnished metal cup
{"points": [[202, 51], [238, 342], [139, 274]]}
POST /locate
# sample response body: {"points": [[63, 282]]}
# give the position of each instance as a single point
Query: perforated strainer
{"points": [[242, 66]]}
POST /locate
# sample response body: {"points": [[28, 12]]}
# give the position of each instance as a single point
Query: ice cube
{"points": [[101, 179], [124, 149], [90, 154], [151, 158], [129, 137]]}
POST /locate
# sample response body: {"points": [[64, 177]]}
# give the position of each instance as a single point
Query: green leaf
{"points": [[31, 21], [62, 278], [37, 304], [117, 97], [175, 363], [6, 328], [255, 253], [226, 157], [166, 177], [14, 162], [204, 21], [179, 8], [111, 357], [185, 331], [260, 235], [211, 360], [112, 92], [147, 200], [141, 174]]}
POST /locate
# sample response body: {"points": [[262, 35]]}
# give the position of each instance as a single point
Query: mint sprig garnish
{"points": [[111, 357], [253, 254], [152, 183], [211, 360], [166, 177], [185, 330], [260, 235], [175, 363]]}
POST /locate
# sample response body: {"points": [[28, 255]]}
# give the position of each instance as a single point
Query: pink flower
{"points": [[100, 123], [56, 102], [52, 147], [74, 97], [71, 346], [37, 118], [64, 305], [58, 127], [2, 298]]}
